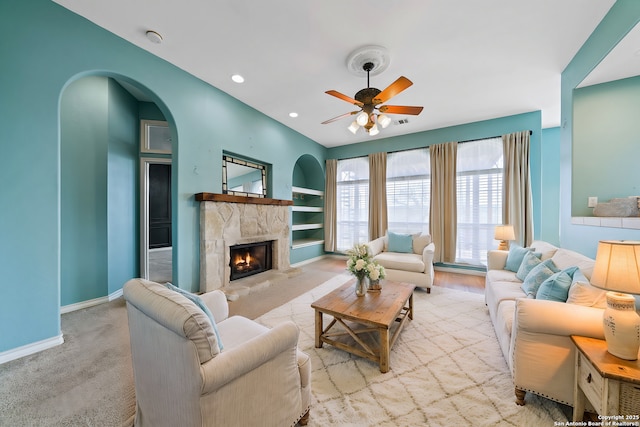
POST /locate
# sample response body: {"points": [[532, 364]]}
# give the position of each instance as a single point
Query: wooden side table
{"points": [[611, 384]]}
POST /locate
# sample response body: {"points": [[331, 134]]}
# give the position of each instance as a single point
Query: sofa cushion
{"points": [[502, 276], [556, 287], [400, 261], [237, 330], [202, 306], [582, 292], [547, 250], [530, 260], [402, 243], [514, 259], [420, 241], [565, 258], [536, 276]]}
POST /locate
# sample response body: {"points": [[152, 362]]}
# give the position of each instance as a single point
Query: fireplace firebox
{"points": [[249, 259]]}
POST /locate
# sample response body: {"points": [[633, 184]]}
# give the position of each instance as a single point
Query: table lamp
{"points": [[504, 233], [617, 270]]}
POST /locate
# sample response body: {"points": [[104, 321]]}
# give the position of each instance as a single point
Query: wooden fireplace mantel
{"points": [[228, 198]]}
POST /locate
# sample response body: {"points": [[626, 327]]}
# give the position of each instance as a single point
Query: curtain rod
{"points": [[487, 137], [406, 149]]}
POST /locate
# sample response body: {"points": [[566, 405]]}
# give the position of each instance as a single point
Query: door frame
{"points": [[144, 210]]}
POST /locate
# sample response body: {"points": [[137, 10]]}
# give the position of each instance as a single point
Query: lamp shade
{"points": [[617, 266], [504, 232]]}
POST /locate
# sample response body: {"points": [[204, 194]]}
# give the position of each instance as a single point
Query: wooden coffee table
{"points": [[366, 321]]}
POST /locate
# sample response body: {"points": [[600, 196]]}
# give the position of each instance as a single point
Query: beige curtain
{"points": [[330, 223], [443, 211], [377, 195], [517, 205]]}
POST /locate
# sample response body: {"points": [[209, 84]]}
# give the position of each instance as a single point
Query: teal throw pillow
{"points": [[514, 259], [536, 276], [402, 243], [555, 288], [198, 301], [530, 260]]}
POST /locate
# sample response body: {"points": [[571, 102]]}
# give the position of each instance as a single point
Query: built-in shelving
{"points": [[308, 208]]}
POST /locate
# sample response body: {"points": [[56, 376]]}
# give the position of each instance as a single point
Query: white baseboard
{"points": [[26, 350], [90, 303], [460, 271]]}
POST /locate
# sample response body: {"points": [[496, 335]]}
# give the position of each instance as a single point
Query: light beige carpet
{"points": [[446, 369]]}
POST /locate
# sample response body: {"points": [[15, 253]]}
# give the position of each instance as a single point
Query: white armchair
{"points": [[414, 267], [183, 378]]}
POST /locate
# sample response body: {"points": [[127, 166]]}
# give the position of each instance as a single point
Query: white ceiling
{"points": [[469, 60]]}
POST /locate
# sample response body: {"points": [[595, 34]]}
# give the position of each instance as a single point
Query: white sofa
{"points": [[415, 267], [183, 378], [534, 334]]}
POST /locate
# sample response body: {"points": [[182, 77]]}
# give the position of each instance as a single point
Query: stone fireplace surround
{"points": [[227, 220]]}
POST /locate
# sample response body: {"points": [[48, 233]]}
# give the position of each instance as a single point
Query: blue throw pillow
{"points": [[198, 301], [536, 276], [402, 243], [514, 259], [555, 288], [530, 260]]}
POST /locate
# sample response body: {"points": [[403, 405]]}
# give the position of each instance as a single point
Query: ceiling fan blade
{"points": [[344, 97], [400, 109], [392, 90], [342, 116]]}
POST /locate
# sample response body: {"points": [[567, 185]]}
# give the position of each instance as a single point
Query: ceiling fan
{"points": [[371, 113]]}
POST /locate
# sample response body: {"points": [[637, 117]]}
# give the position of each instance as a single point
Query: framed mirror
{"points": [[606, 106], [243, 178]]}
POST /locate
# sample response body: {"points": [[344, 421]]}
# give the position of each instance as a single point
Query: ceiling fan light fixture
{"points": [[384, 120], [353, 127], [362, 118], [374, 130]]}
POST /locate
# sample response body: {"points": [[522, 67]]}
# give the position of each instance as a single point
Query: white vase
{"points": [[621, 326]]}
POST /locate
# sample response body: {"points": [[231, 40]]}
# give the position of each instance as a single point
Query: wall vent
{"points": [[401, 122]]}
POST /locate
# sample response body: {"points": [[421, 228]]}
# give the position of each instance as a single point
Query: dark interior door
{"points": [[159, 205]]}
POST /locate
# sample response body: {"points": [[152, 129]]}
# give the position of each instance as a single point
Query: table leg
{"points": [[318, 329], [411, 306], [384, 350]]}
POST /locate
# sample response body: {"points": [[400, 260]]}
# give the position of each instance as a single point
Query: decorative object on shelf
{"points": [[357, 265], [617, 270], [621, 207], [376, 273], [504, 233]]}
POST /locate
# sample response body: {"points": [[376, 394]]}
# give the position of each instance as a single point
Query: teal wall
{"points": [[605, 120], [122, 188], [84, 135], [45, 49], [620, 19], [528, 121], [550, 186]]}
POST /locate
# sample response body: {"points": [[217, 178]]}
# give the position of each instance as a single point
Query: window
{"points": [[352, 200], [479, 197], [408, 191]]}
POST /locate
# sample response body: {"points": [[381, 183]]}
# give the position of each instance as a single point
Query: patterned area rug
{"points": [[446, 369]]}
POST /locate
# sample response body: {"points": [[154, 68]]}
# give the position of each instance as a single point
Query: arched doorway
{"points": [[100, 185]]}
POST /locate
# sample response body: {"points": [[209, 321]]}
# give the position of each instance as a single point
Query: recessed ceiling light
{"points": [[154, 37], [237, 78], [293, 114]]}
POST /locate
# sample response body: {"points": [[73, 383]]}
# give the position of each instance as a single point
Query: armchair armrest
{"points": [[241, 360], [427, 254], [216, 301], [496, 259], [557, 318], [376, 246]]}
